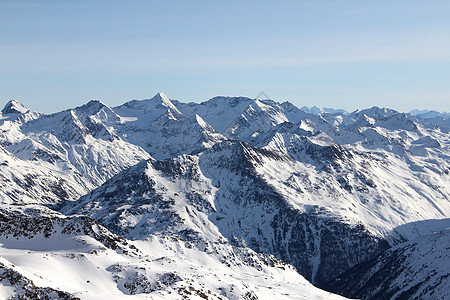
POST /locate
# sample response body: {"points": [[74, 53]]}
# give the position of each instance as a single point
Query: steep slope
{"points": [[395, 167], [40, 248], [14, 107], [306, 206], [240, 180], [295, 114], [219, 111], [259, 116], [14, 285], [380, 180], [162, 130], [80, 138], [237, 117], [413, 270], [223, 192], [50, 158], [25, 181]]}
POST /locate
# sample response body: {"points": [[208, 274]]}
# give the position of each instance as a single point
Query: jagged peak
{"points": [[159, 101], [95, 102], [14, 107], [266, 104], [315, 110], [288, 106], [161, 96], [231, 101], [92, 107], [374, 112], [162, 99]]}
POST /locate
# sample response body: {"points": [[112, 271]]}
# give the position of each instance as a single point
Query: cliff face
{"points": [[416, 269]]}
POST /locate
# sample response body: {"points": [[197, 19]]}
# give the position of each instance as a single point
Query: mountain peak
{"points": [[165, 101], [14, 107], [92, 107], [161, 97], [315, 110], [95, 102], [374, 112]]}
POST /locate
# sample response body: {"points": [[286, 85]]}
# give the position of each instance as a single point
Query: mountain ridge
{"points": [[323, 190]]}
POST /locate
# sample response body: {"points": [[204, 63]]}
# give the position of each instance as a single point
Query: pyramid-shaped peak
{"points": [[95, 102], [14, 107], [162, 99]]}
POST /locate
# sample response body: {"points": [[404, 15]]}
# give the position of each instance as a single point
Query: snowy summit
{"points": [[230, 198]]}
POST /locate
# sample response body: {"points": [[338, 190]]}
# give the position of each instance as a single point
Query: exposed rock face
{"points": [[14, 107], [413, 270], [23, 288], [220, 193], [84, 259], [305, 239], [35, 220]]}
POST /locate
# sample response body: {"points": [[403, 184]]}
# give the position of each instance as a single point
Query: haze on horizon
{"points": [[346, 54]]}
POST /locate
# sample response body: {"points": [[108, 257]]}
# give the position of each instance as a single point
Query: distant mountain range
{"points": [[232, 198]]}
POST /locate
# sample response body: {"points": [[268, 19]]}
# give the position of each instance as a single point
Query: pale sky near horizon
{"points": [[342, 54]]}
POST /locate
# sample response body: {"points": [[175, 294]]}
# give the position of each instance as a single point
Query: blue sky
{"points": [[342, 54]]}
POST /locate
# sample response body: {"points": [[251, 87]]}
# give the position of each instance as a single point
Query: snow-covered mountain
{"points": [[425, 113], [222, 193], [162, 130], [75, 149], [261, 198], [232, 183], [37, 181], [59, 257], [14, 107], [237, 117], [417, 269], [315, 110]]}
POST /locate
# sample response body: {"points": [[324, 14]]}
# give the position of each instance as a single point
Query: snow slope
{"points": [[35, 181], [321, 190], [237, 117], [222, 192], [50, 158], [352, 178], [418, 269], [162, 130], [78, 256]]}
